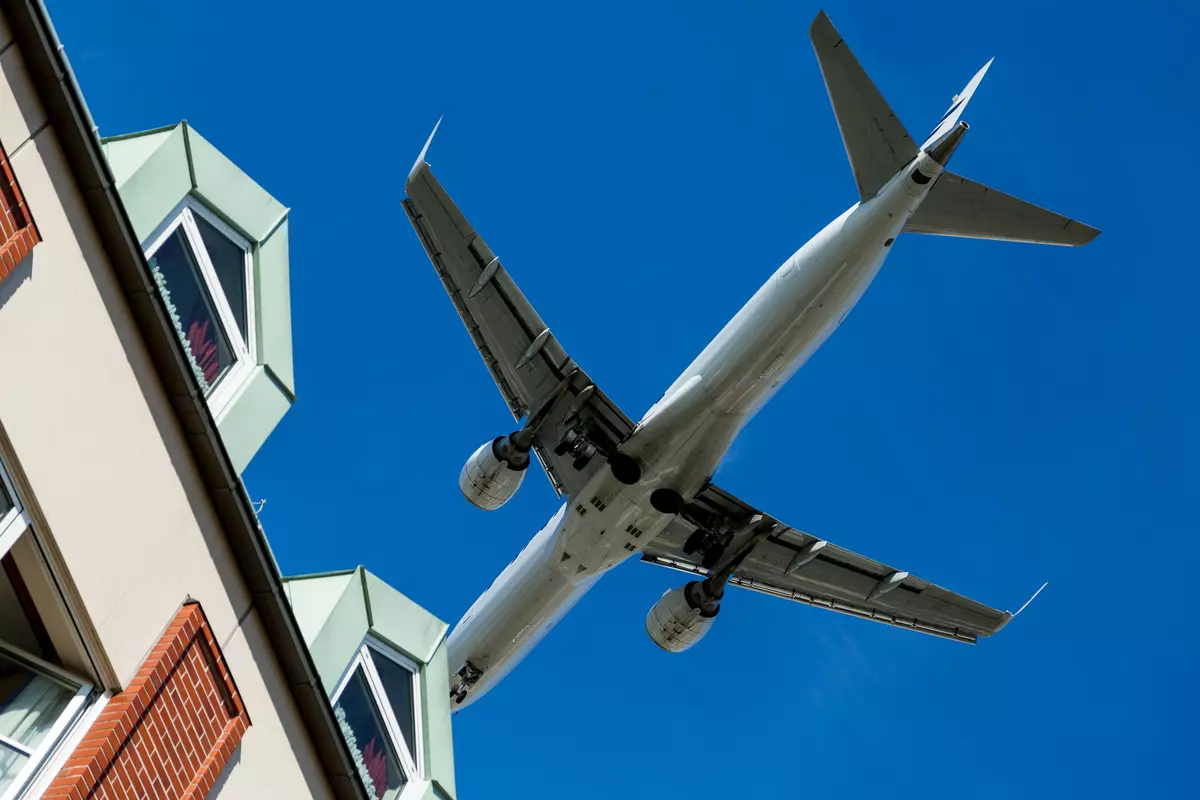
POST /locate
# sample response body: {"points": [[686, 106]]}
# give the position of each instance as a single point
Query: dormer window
{"points": [[376, 708], [203, 271]]}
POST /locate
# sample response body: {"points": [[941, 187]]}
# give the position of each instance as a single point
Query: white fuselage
{"points": [[683, 437]]}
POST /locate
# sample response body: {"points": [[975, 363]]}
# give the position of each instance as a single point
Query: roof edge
{"points": [[135, 134], [333, 573]]}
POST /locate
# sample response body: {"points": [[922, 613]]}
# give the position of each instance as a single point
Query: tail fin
{"points": [[958, 206], [879, 146], [957, 106], [876, 141]]}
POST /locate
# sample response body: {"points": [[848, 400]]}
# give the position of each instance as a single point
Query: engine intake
{"points": [[494, 472], [681, 617]]}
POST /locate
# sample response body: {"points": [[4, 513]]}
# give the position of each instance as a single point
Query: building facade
{"points": [[148, 646]]}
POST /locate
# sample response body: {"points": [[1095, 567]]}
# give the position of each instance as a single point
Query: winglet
{"points": [[421, 158], [1035, 594], [1010, 617]]}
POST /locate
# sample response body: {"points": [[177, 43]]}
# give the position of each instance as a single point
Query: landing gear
{"points": [[697, 541], [583, 455], [666, 501], [708, 544], [569, 440], [625, 468], [712, 556], [466, 677], [575, 442]]}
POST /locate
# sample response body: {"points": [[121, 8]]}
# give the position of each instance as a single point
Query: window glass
{"points": [[191, 308], [363, 728], [6, 503], [229, 261], [30, 704], [15, 626], [398, 686]]}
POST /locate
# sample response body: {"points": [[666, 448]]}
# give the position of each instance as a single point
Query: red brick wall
{"points": [[172, 730], [18, 234]]}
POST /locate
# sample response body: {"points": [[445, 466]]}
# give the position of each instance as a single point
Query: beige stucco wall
{"points": [[106, 462]]}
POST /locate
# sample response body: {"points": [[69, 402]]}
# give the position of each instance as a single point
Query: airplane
{"points": [[645, 489]]}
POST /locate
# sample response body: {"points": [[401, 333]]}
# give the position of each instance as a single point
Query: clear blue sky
{"points": [[990, 417]]}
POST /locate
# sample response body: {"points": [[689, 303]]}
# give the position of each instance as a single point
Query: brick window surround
{"points": [[18, 234], [172, 730]]}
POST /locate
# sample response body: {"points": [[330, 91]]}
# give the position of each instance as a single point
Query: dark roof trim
{"points": [[60, 94]]}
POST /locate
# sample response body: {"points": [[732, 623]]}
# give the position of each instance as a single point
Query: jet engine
{"points": [[494, 472], [681, 617]]}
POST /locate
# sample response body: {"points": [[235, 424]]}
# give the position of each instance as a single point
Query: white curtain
{"points": [[28, 710]]}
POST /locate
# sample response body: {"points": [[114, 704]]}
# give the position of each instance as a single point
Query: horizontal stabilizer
{"points": [[958, 206], [878, 145]]}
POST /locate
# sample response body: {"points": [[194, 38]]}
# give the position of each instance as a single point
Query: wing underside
{"points": [[798, 566], [524, 358], [876, 141], [958, 206]]}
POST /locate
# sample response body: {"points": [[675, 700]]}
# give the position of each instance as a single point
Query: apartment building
{"points": [[149, 647]]}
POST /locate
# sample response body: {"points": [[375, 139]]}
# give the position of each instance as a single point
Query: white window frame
{"points": [[39, 756], [370, 649], [14, 521], [67, 729], [40, 782], [245, 350]]}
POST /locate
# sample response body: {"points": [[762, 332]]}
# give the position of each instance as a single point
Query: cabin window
{"points": [[376, 706], [202, 269]]}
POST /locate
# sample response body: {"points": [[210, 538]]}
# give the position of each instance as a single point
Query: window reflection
{"points": [[398, 686], [191, 309], [229, 262], [363, 728]]}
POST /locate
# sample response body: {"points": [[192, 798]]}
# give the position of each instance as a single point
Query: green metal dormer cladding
{"points": [[382, 660], [217, 244]]}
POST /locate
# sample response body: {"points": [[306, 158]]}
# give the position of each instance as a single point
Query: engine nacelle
{"points": [[489, 481], [678, 620]]}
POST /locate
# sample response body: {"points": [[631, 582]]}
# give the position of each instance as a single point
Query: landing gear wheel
{"points": [[568, 441], [625, 468], [666, 501], [712, 556], [458, 698], [695, 541], [584, 456]]}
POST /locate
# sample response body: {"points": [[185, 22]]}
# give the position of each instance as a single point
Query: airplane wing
{"points": [[523, 356], [797, 566]]}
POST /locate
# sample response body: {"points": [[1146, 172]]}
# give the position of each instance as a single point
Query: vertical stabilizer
{"points": [[957, 106], [878, 145]]}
